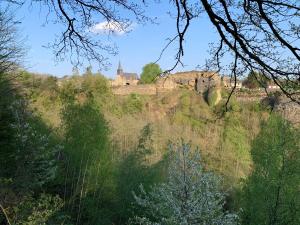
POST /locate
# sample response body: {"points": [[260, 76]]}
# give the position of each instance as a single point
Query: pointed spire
{"points": [[120, 67], [120, 70]]}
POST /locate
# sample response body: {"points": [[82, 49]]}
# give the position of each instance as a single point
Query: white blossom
{"points": [[190, 195]]}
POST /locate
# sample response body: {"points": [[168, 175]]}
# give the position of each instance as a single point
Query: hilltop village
{"points": [[199, 81]]}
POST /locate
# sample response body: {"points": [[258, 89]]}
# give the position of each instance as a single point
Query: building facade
{"points": [[124, 78]]}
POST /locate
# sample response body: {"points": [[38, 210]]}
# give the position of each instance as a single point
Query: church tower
{"points": [[120, 70]]}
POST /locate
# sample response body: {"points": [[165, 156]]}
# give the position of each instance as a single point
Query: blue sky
{"points": [[137, 48]]}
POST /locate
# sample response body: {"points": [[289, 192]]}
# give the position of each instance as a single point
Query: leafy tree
{"points": [[41, 210], [133, 171], [190, 195], [96, 85], [30, 157], [11, 50], [271, 193], [150, 72], [87, 166], [255, 80]]}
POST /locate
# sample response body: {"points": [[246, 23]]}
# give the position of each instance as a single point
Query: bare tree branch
{"points": [[258, 35]]}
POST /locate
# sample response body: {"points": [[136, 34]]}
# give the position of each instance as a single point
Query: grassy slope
{"points": [[224, 142]]}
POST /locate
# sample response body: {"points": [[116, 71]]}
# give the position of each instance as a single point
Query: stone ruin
{"points": [[124, 78], [199, 81]]}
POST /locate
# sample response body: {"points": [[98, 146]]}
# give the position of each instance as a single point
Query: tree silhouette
{"points": [[257, 35]]}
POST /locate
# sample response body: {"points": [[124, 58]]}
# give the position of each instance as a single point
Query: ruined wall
{"points": [[142, 89], [165, 84], [122, 81], [199, 81]]}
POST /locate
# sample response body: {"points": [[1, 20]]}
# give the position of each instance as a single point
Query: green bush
{"points": [[212, 96], [271, 193], [150, 72], [133, 104], [39, 211]]}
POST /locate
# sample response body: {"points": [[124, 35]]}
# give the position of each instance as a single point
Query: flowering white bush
{"points": [[190, 195]]}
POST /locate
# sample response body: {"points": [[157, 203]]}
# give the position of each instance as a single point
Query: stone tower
{"points": [[120, 70]]}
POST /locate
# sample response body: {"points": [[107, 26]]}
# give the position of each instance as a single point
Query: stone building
{"points": [[124, 78], [199, 81], [165, 84]]}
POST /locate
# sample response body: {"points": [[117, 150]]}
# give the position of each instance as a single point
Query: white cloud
{"points": [[111, 28]]}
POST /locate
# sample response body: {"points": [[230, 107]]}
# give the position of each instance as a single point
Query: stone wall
{"points": [[142, 89], [199, 81]]}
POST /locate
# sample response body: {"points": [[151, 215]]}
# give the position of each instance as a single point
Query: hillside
{"points": [[74, 152], [224, 140]]}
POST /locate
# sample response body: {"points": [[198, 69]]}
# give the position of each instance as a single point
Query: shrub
{"points": [[133, 104], [212, 96], [190, 195]]}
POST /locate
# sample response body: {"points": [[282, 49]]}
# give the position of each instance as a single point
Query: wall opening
{"points": [[196, 84]]}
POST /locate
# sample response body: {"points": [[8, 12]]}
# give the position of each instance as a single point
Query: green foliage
{"points": [[133, 171], [185, 103], [236, 142], [31, 155], [232, 106], [190, 195], [255, 80], [212, 96], [41, 211], [88, 160], [271, 192], [292, 85], [93, 173], [150, 72], [49, 83], [86, 133], [133, 104], [98, 87]]}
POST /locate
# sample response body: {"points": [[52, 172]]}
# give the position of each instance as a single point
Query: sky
{"points": [[140, 46]]}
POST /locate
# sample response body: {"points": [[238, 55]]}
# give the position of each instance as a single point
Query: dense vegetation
{"points": [[150, 72], [71, 152]]}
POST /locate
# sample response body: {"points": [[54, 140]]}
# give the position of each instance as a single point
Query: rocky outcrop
{"points": [[288, 109]]}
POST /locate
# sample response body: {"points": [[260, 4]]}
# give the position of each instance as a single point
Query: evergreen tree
{"points": [[271, 193], [190, 195]]}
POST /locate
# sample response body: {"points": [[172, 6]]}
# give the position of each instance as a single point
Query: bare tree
{"points": [[78, 40], [11, 51], [258, 35]]}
